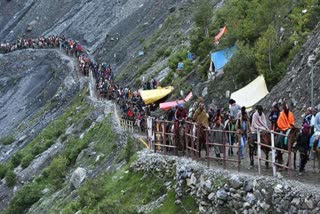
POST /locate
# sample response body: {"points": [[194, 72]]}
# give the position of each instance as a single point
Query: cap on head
{"points": [[180, 105]]}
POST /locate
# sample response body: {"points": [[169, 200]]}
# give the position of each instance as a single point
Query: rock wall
{"points": [[218, 191], [295, 87]]}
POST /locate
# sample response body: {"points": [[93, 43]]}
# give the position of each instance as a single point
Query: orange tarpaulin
{"points": [[166, 106], [220, 34]]}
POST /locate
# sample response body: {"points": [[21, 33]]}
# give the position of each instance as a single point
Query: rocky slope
{"points": [[83, 140], [111, 30], [35, 86], [295, 87]]}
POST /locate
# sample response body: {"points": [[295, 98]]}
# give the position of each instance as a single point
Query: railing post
{"points": [[259, 150], [177, 138], [164, 141], [224, 149], [186, 132], [239, 148], [198, 141], [289, 158], [273, 153], [155, 136], [207, 147], [192, 141]]}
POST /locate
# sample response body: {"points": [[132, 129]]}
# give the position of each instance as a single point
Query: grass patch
{"points": [[11, 178], [26, 160], [3, 170], [49, 135], [7, 140], [188, 204], [27, 196], [119, 192]]}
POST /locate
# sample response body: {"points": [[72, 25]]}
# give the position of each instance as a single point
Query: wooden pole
{"points": [[259, 150], [273, 152]]}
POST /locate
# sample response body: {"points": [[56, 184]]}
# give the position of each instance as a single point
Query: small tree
{"points": [[203, 16]]}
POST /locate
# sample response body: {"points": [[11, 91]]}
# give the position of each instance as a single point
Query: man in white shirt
{"points": [[258, 122]]}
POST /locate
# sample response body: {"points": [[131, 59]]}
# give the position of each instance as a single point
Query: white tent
{"points": [[252, 93]]}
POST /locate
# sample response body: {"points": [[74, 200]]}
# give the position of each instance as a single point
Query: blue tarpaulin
{"points": [[222, 57], [180, 65]]}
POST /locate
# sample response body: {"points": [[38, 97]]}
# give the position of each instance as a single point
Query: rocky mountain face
{"points": [[35, 86], [64, 135], [295, 87], [110, 30]]}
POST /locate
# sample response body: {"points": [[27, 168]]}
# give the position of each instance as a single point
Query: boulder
{"points": [[222, 195], [22, 138], [235, 182], [211, 196], [278, 189], [78, 176], [251, 198]]}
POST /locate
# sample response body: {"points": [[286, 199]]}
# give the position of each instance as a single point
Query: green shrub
{"points": [[129, 149], [91, 193], [167, 52], [48, 144], [38, 149], [16, 159], [57, 170], [73, 148], [86, 124], [3, 170], [7, 140], [24, 199], [178, 56], [168, 79], [26, 160], [58, 133], [64, 138], [10, 178]]}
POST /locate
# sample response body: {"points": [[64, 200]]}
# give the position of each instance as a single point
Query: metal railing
{"points": [[273, 149], [192, 133], [164, 140], [224, 146], [127, 124]]}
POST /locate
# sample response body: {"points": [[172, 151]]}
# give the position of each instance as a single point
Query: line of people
{"points": [[237, 121], [130, 101], [242, 127]]}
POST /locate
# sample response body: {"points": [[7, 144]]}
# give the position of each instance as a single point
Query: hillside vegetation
{"points": [[85, 134]]}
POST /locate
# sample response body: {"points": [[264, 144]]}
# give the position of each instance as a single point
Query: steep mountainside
{"points": [[29, 80], [62, 149], [295, 87]]}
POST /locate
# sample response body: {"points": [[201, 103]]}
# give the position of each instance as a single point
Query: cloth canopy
{"points": [[222, 57], [252, 93], [167, 105], [151, 96], [220, 34]]}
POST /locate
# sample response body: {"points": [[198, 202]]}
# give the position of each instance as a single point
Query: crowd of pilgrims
{"points": [[133, 108]]}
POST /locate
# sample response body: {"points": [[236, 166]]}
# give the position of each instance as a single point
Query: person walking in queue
{"points": [[274, 115], [258, 123], [303, 139], [316, 148], [230, 126], [201, 117], [234, 109], [217, 137], [285, 123], [243, 127], [180, 115]]}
